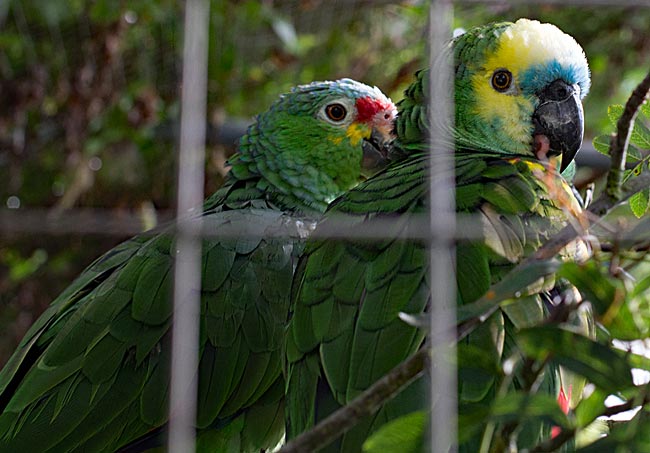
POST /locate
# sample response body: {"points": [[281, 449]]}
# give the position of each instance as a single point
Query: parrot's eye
{"points": [[336, 112], [501, 80]]}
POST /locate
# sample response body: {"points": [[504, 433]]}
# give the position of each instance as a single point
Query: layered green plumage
{"points": [[92, 374], [345, 332]]}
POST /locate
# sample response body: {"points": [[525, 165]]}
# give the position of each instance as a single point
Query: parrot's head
{"points": [[518, 90], [320, 139]]}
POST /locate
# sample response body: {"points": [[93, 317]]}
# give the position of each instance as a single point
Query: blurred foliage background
{"points": [[89, 101]]}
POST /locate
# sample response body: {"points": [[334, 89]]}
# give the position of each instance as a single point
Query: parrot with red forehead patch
{"points": [[92, 374], [518, 123]]}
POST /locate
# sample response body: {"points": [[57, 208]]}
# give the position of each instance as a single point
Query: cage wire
{"points": [[187, 271], [111, 69]]}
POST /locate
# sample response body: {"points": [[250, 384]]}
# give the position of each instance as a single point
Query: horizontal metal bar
{"points": [[340, 226], [613, 3], [104, 222]]}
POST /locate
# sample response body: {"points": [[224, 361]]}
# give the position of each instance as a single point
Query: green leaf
{"points": [[524, 408], [601, 143], [614, 112], [633, 154], [627, 324], [639, 202], [640, 135], [636, 171], [596, 287], [600, 364], [472, 417], [479, 365], [521, 406], [512, 286], [626, 317], [638, 361], [404, 434], [645, 108], [627, 437], [591, 407], [641, 287]]}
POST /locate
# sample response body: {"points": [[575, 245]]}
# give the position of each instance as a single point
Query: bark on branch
{"points": [[621, 139]]}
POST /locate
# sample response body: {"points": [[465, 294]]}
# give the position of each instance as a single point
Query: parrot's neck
{"points": [[247, 186]]}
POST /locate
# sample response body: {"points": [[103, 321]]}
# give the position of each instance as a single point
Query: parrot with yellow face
{"points": [[518, 90]]}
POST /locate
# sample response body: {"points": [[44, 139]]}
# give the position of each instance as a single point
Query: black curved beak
{"points": [[376, 150], [559, 117]]}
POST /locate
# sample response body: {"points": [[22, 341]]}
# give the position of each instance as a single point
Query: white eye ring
{"points": [[341, 111]]}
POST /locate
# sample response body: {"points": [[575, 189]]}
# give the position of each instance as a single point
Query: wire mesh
{"points": [[440, 226]]}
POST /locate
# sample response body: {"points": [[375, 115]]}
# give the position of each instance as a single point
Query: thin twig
{"points": [[362, 406]]}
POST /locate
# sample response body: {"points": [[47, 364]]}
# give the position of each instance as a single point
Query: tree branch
{"points": [[362, 406], [621, 139]]}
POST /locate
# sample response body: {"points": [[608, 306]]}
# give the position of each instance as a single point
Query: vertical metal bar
{"points": [[443, 426], [187, 272]]}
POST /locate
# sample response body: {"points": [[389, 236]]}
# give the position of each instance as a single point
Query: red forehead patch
{"points": [[368, 107]]}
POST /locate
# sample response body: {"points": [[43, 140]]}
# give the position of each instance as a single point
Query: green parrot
{"points": [[92, 374], [518, 123]]}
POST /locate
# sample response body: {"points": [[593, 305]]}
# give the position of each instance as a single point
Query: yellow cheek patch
{"points": [[507, 108], [357, 132]]}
